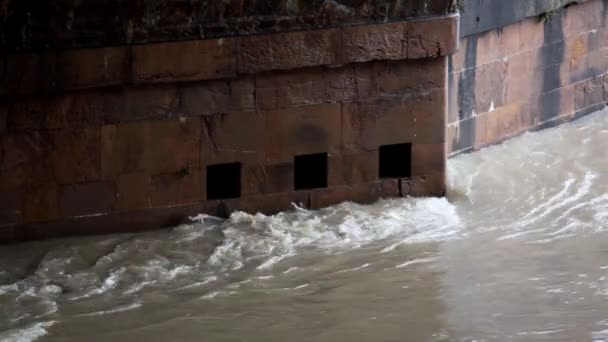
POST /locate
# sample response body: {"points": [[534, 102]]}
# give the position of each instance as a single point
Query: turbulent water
{"points": [[518, 252]]}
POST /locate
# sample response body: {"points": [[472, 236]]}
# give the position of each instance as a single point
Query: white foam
{"points": [[29, 334]]}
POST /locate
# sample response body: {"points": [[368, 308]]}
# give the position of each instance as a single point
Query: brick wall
{"points": [[137, 137], [533, 74]]}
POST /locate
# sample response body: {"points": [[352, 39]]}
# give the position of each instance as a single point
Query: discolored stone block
{"points": [[424, 186], [86, 199], [3, 118], [321, 198], [504, 122], [25, 160], [287, 50], [10, 207], [268, 179], [302, 130], [490, 82], [185, 61], [428, 158], [153, 147], [176, 188], [350, 169], [557, 103], [374, 42], [401, 77], [86, 68], [29, 73], [267, 204], [40, 203], [292, 88], [432, 38], [358, 128], [76, 155], [132, 192], [216, 97], [230, 137], [589, 93]]}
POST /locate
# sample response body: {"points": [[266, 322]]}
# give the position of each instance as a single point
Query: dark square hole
{"points": [[224, 181], [395, 161], [310, 171]]}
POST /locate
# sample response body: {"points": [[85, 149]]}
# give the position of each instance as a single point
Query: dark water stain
{"points": [[551, 58], [309, 134]]}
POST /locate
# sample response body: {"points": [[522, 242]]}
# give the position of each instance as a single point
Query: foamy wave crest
{"points": [[269, 239], [29, 334]]}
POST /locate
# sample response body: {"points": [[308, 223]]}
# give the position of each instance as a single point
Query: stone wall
{"points": [[136, 137], [59, 24], [538, 72]]}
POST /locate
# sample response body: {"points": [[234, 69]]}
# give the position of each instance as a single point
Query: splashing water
{"points": [[501, 258]]}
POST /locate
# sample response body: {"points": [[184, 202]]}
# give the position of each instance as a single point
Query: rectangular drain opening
{"points": [[395, 161], [310, 171], [223, 181]]}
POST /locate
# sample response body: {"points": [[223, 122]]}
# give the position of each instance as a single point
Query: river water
{"points": [[517, 252]]}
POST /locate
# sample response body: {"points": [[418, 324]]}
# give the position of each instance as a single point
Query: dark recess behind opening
{"points": [[310, 171], [224, 181], [395, 161]]}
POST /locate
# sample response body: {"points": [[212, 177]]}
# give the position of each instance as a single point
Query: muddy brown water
{"points": [[517, 252]]}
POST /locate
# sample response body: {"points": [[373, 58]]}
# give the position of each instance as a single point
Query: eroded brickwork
{"points": [[533, 74]]}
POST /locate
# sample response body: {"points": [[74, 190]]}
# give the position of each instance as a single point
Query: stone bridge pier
{"points": [[126, 115]]}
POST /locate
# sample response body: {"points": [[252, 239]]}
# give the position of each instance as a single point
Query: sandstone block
{"points": [[287, 50], [302, 130], [184, 61], [76, 155], [132, 192], [177, 188], [86, 199]]}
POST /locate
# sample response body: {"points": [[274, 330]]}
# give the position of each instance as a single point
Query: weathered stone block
{"points": [[40, 203], [185, 61], [432, 38], [490, 86], [86, 199], [10, 207], [25, 160], [302, 130], [589, 93], [557, 103], [230, 137], [3, 118], [287, 50], [132, 192], [216, 97], [422, 186], [152, 147], [358, 128], [76, 155], [502, 123], [65, 70], [292, 88], [86, 68], [374, 42], [268, 179], [350, 169], [177, 188], [267, 204], [428, 158], [399, 77]]}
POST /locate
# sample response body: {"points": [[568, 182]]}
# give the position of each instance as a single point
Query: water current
{"points": [[517, 252]]}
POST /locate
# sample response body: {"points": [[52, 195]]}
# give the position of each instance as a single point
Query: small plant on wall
{"points": [[457, 5], [547, 17]]}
